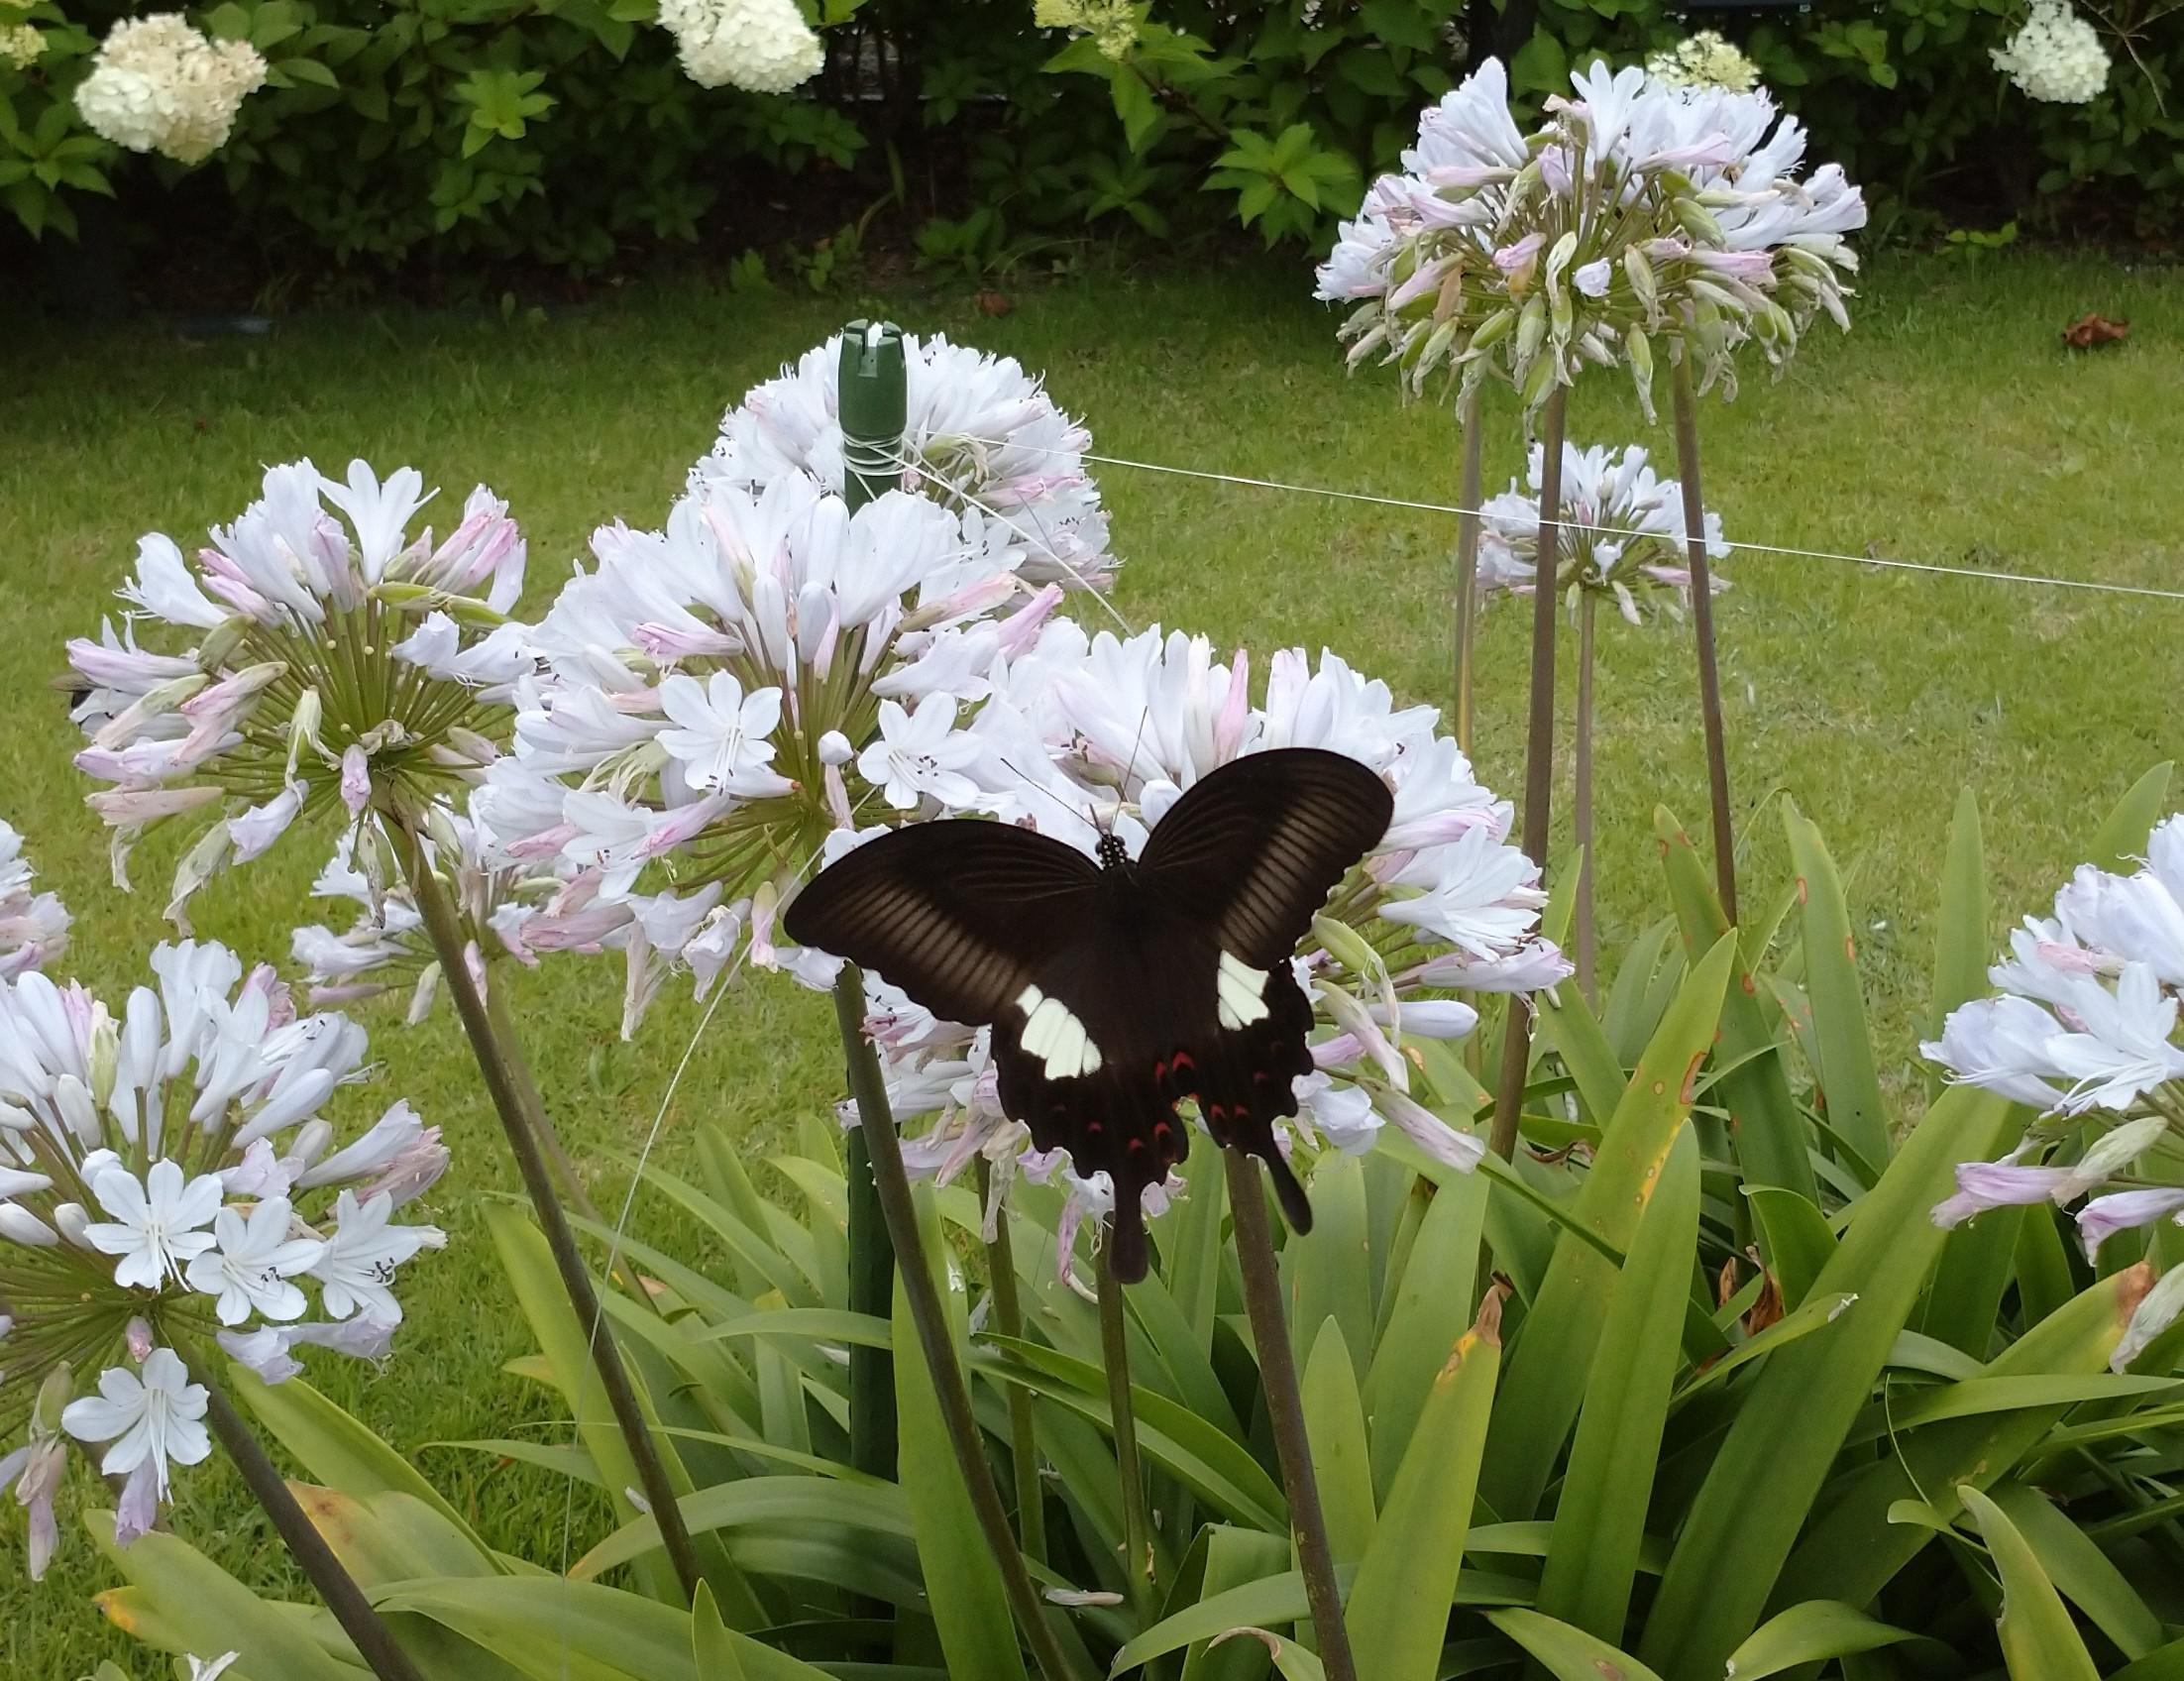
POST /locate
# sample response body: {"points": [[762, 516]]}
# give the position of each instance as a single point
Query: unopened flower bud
{"points": [[103, 1054], [138, 1337], [53, 1394], [221, 642], [303, 728], [74, 1099], [835, 748], [71, 1220], [311, 1139], [1347, 945]]}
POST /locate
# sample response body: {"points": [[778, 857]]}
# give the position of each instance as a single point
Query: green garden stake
{"points": [[874, 404]]}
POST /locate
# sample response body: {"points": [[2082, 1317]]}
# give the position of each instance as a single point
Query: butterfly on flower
{"points": [[1118, 988]]}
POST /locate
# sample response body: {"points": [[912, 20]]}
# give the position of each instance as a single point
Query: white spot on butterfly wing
{"points": [[1054, 1034], [1240, 992]]}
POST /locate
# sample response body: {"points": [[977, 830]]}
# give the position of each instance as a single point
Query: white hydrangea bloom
{"points": [[158, 84], [2056, 55], [21, 46], [1703, 59], [981, 437], [170, 1194], [33, 926], [758, 46]]}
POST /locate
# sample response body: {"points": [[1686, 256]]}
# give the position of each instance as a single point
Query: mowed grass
{"points": [[1949, 427]]}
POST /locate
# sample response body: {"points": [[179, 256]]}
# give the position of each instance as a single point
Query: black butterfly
{"points": [[1117, 990]]}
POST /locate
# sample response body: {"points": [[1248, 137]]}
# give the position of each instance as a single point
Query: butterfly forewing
{"points": [[962, 916], [1254, 848]]}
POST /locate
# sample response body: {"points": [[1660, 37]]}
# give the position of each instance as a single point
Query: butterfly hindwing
{"points": [[962, 916], [1255, 848]]}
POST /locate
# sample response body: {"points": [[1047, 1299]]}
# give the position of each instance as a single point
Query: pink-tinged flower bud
{"points": [[356, 778]]}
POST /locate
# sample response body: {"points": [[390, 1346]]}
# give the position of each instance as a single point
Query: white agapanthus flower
{"points": [[329, 662], [1637, 210], [2056, 55], [1705, 59], [2084, 1030], [158, 84], [1082, 731], [170, 1193], [34, 925], [758, 46], [981, 437], [720, 698], [1623, 536], [386, 948]]}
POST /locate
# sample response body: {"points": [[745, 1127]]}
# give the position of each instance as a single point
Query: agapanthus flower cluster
{"points": [[721, 696], [170, 1194], [1639, 209], [758, 46], [2056, 55], [1705, 59], [2084, 1030], [1623, 534], [1082, 731], [34, 925], [319, 664], [158, 84], [386, 947], [981, 437]]}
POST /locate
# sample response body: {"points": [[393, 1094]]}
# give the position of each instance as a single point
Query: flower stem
{"points": [[1138, 1566], [446, 931], [877, 1123], [374, 1641], [1277, 1370], [1589, 936], [872, 1438], [1539, 753], [1030, 1498], [1703, 628], [1467, 566]]}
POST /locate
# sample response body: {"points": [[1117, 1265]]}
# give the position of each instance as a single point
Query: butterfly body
{"points": [[1121, 988]]}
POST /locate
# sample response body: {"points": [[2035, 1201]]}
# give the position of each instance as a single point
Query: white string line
{"points": [[1995, 575], [921, 466]]}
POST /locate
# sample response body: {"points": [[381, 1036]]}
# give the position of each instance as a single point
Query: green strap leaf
{"points": [[2039, 1642], [1570, 1654], [1810, 1633]]}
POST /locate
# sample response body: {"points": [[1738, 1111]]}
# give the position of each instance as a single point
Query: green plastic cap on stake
{"points": [[874, 399]]}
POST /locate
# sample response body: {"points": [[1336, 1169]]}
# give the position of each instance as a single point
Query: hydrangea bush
{"points": [[173, 1192]]}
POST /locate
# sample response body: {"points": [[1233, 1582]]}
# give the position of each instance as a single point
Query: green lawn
{"points": [[1950, 427]]}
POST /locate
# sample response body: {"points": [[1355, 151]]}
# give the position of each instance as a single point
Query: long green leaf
{"points": [[1570, 1654], [1808, 1633], [1295, 1662], [712, 1652], [1234, 1558], [1767, 1129], [212, 1611], [1270, 1601], [333, 1446], [544, 1625], [872, 1510], [1547, 1369], [1798, 1242], [1218, 1468], [1852, 1088], [1324, 1271], [1794, 1415], [1432, 1302], [2122, 838], [2079, 1570], [2038, 1640], [1853, 1550], [1335, 1426], [1600, 1518], [1399, 1611], [969, 1606]]}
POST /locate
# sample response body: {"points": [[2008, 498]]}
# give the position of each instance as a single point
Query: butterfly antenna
{"points": [[1039, 787]]}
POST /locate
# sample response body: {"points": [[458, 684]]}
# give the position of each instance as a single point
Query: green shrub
{"points": [[566, 132]]}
